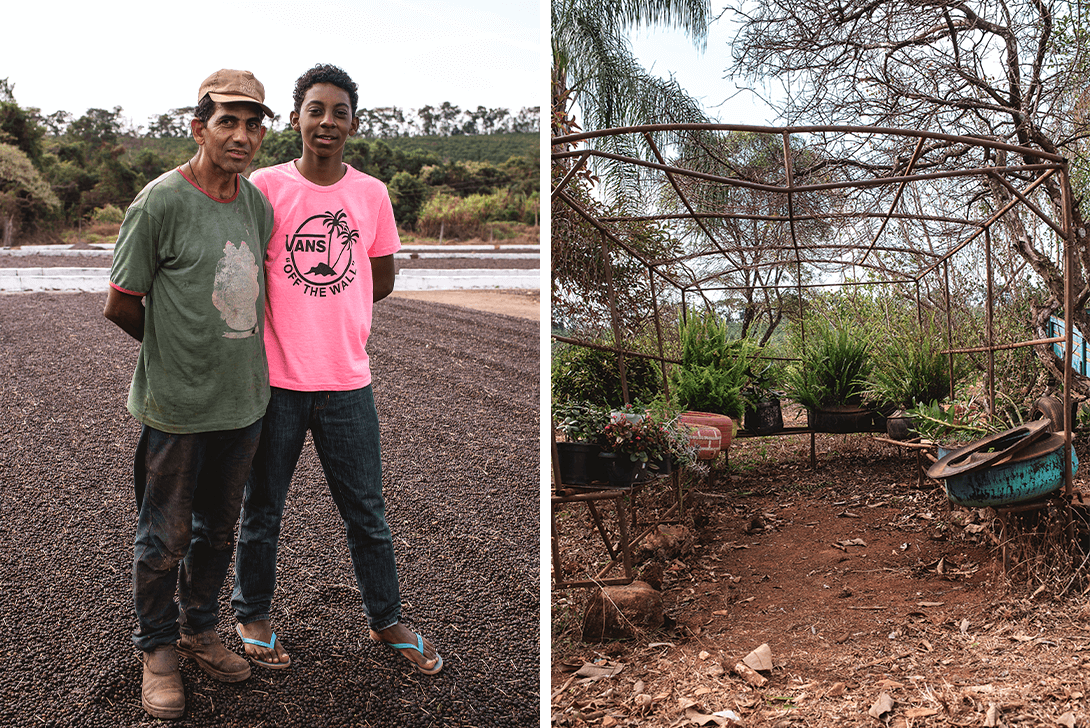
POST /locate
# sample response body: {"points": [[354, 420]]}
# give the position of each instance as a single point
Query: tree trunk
{"points": [[8, 231]]}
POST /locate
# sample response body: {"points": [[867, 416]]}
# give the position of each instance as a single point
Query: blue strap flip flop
{"points": [[270, 645], [419, 647]]}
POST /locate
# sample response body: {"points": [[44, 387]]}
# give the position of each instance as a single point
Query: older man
{"points": [[187, 282]]}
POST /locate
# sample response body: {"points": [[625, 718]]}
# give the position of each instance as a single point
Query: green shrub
{"points": [[107, 214], [914, 371], [714, 369], [580, 374], [469, 217]]}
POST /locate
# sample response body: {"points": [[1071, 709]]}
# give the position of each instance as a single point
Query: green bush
{"points": [[580, 374], [107, 214], [407, 194], [912, 372], [469, 217]]}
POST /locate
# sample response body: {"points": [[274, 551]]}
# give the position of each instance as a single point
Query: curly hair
{"points": [[325, 73]]}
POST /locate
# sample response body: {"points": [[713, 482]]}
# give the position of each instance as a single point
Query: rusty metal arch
{"points": [[571, 154]]}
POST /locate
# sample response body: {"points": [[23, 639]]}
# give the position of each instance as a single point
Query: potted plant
{"points": [[914, 373], [763, 414], [713, 368], [830, 380], [952, 425], [670, 446], [582, 425]]}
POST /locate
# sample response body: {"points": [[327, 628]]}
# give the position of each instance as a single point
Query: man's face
{"points": [[231, 138], [325, 119]]}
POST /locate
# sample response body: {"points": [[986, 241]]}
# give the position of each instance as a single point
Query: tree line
{"points": [[386, 122], [56, 170]]}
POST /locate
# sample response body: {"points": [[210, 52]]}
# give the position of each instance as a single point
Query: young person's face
{"points": [[232, 136], [325, 119]]}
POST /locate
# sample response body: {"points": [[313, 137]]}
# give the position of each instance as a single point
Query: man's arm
{"points": [[382, 276], [127, 311]]}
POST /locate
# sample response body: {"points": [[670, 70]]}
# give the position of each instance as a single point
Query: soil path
{"points": [[862, 582]]}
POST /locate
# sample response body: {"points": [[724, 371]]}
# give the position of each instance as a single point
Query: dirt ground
{"points": [[865, 585], [520, 303]]}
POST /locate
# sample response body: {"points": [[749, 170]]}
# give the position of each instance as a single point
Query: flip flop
{"points": [[270, 645], [419, 647]]}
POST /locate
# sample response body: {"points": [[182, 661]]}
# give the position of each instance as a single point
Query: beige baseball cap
{"points": [[226, 85]]}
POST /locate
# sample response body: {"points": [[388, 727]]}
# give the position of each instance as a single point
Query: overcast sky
{"points": [[702, 73], [150, 57]]}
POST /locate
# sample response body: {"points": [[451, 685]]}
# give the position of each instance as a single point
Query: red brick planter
{"points": [[706, 440], [723, 423]]}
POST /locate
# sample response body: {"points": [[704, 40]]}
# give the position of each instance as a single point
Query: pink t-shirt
{"points": [[318, 289]]}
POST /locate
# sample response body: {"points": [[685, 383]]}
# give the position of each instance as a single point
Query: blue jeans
{"points": [[346, 436], [192, 493]]}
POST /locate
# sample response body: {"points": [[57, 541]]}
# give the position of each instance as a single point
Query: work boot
{"points": [[213, 657], [161, 693]]}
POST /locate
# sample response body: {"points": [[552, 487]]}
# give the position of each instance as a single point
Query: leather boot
{"points": [[161, 693], [213, 657]]}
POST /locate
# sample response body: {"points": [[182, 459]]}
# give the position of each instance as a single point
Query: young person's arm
{"points": [[127, 311], [382, 276]]}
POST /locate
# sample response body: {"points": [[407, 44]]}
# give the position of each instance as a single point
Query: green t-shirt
{"points": [[200, 263]]}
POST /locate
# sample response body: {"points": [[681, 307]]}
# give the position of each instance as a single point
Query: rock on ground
{"points": [[457, 393]]}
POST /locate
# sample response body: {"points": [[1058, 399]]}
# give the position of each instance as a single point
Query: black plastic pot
{"points": [[841, 420], [620, 469], [765, 418], [898, 425], [579, 463]]}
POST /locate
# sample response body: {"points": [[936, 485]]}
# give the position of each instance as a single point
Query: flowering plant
{"points": [[653, 436]]}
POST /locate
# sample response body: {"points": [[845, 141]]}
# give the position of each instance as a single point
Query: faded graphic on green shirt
{"points": [[202, 364]]}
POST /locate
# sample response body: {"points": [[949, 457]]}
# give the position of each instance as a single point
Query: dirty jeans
{"points": [[346, 437], [185, 528]]}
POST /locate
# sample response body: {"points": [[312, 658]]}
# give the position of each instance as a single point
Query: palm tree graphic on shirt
{"points": [[336, 224]]}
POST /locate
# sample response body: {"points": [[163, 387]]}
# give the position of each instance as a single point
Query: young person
{"points": [[330, 260], [187, 283]]}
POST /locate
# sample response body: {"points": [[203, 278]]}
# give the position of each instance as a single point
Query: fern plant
{"points": [[914, 372], [714, 368], [833, 371]]}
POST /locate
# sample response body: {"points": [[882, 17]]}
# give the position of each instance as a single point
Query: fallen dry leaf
{"points": [[883, 705], [921, 712], [749, 675], [836, 690], [703, 718], [760, 659], [589, 669]]}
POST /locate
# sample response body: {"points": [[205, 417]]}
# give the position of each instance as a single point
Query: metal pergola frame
{"points": [[571, 156]]}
